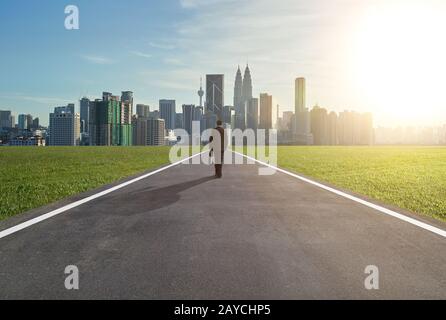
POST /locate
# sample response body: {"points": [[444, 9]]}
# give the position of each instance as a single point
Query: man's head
{"points": [[219, 123]]}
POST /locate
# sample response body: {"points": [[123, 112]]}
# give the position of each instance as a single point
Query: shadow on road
{"points": [[152, 199]]}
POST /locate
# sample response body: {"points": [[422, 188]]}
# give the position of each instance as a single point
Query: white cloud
{"points": [[141, 54], [98, 59], [50, 101], [162, 45]]}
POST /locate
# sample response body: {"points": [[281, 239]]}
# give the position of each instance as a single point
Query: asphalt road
{"points": [[181, 234]]}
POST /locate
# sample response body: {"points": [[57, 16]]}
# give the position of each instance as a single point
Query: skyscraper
{"points": [[36, 123], [155, 132], [215, 94], [319, 125], [148, 131], [139, 125], [227, 114], [199, 116], [23, 122], [355, 128], [6, 119], [179, 120], [252, 114], [108, 125], [266, 111], [142, 110], [299, 95], [247, 86], [302, 116], [126, 107], [238, 92], [242, 96], [85, 114], [332, 128], [188, 117], [168, 113], [154, 114], [64, 127], [29, 122]]}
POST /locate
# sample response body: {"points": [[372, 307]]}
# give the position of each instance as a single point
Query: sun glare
{"points": [[400, 60]]}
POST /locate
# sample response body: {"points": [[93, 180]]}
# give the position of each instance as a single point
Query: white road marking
{"points": [[70, 206], [381, 209]]}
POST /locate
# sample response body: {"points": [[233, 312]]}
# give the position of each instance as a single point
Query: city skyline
{"points": [[166, 59]]}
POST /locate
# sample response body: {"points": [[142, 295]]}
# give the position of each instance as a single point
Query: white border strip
{"points": [[389, 212], [70, 206]]}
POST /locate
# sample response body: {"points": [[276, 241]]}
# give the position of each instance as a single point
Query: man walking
{"points": [[218, 146]]}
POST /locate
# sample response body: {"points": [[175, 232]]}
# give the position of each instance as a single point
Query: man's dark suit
{"points": [[219, 162]]}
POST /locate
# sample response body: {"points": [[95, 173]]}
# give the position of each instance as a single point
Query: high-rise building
{"points": [[287, 118], [355, 128], [168, 113], [126, 107], [247, 86], [188, 117], [23, 122], [108, 125], [215, 94], [154, 114], [6, 120], [332, 128], [156, 132], [302, 118], [179, 121], [36, 123], [266, 111], [300, 95], [319, 125], [199, 117], [198, 114], [242, 96], [139, 130], [29, 122], [252, 114], [64, 127], [239, 106], [148, 131], [142, 110], [85, 114], [227, 114], [301, 112]]}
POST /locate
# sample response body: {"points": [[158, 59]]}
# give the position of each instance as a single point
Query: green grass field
{"points": [[33, 177], [413, 178]]}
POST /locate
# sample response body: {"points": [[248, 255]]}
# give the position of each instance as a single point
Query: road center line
{"points": [[381, 209]]}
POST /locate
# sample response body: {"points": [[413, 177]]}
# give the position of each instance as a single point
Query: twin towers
{"points": [[244, 105], [242, 95]]}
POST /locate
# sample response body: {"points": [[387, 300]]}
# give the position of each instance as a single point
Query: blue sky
{"points": [[160, 49], [46, 65]]}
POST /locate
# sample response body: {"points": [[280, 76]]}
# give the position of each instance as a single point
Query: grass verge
{"points": [[33, 177]]}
